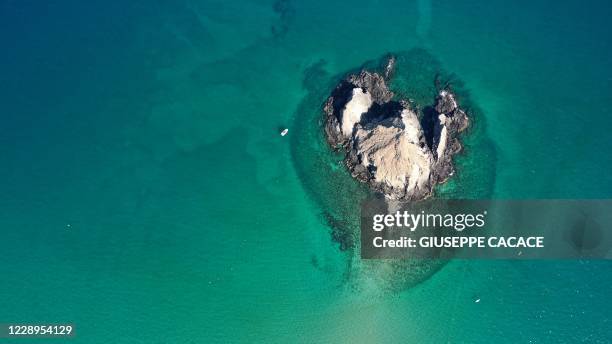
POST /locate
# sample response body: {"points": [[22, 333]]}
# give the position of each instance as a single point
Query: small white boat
{"points": [[284, 132]]}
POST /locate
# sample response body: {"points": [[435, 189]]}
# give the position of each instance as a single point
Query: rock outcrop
{"points": [[387, 145]]}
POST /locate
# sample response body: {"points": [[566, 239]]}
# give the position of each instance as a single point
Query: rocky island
{"points": [[388, 145]]}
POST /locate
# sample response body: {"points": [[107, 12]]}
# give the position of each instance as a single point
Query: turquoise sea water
{"points": [[147, 197]]}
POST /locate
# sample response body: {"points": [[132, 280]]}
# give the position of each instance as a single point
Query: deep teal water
{"points": [[146, 195]]}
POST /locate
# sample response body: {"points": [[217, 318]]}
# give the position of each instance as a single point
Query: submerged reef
{"points": [[414, 80], [387, 145]]}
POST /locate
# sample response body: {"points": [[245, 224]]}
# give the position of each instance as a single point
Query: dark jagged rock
{"points": [[385, 143]]}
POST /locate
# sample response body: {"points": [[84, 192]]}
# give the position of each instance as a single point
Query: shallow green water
{"points": [[151, 129]]}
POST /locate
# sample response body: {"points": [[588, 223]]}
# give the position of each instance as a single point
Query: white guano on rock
{"points": [[388, 149], [359, 104]]}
